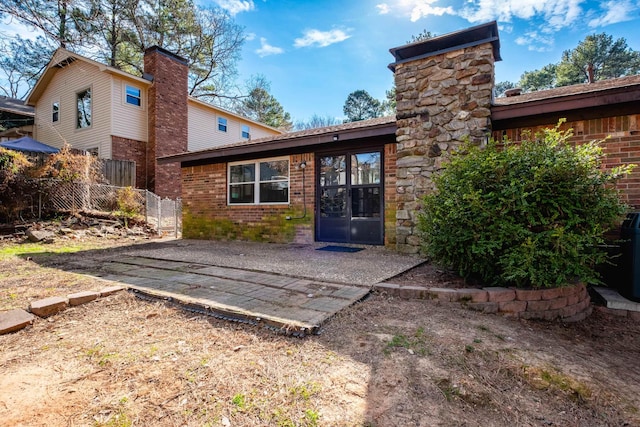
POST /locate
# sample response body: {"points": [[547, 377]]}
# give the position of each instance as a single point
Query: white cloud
{"points": [[251, 36], [535, 41], [424, 8], [614, 12], [236, 6], [321, 38], [557, 13], [383, 8], [266, 49]]}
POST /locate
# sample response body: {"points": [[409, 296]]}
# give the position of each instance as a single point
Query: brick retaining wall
{"points": [[569, 304]]}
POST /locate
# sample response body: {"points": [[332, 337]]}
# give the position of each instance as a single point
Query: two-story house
{"points": [[117, 115]]}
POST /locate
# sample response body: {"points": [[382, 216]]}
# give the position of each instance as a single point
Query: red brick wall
{"points": [[390, 204], [168, 129], [621, 148], [130, 149], [206, 214]]}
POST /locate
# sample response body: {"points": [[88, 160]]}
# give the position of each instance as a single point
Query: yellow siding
{"points": [[64, 86], [204, 133], [129, 121]]}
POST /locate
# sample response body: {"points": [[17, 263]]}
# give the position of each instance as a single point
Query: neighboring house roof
{"points": [[379, 127], [611, 97], [60, 59], [16, 106]]}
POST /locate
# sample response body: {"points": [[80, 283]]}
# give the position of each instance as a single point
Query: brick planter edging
{"points": [[569, 303]]}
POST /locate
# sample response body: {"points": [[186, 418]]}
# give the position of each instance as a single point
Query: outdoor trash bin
{"points": [[629, 285]]}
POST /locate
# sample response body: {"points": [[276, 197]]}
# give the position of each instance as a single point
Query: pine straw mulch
{"points": [[120, 361]]}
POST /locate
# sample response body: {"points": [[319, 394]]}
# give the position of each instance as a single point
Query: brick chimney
{"points": [[168, 129]]}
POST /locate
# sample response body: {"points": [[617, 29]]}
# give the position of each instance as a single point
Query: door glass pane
{"points": [[241, 193], [333, 171], [242, 173], [333, 203], [365, 202], [365, 168]]}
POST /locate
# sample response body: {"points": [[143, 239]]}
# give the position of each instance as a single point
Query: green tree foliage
{"points": [[424, 35], [263, 107], [389, 105], [529, 214], [14, 185], [361, 106], [501, 87], [118, 31], [598, 54]]}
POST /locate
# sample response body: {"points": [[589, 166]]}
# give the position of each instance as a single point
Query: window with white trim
{"points": [[246, 133], [222, 124], [55, 112], [133, 95], [259, 182]]}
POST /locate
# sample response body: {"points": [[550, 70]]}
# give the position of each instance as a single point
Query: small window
{"points": [[222, 124], [55, 112], [84, 109], [93, 151], [245, 132], [259, 182], [133, 96]]}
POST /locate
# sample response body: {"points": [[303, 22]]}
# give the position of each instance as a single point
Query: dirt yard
{"points": [[120, 361]]}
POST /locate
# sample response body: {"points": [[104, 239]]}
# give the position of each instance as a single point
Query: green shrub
{"points": [[531, 214], [129, 206]]}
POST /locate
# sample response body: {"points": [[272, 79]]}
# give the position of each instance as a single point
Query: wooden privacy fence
{"points": [[121, 173]]}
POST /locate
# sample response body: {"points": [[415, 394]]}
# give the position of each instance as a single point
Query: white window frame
{"points": [[257, 182], [223, 121], [245, 129], [126, 95]]}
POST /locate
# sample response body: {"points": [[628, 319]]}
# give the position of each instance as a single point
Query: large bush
{"points": [[531, 214]]}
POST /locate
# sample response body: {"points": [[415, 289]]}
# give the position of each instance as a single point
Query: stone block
{"points": [[110, 290], [553, 293], [48, 306], [443, 294], [82, 297], [498, 294], [528, 294], [579, 317], [14, 320], [485, 307], [537, 306], [512, 306], [473, 295], [558, 303]]}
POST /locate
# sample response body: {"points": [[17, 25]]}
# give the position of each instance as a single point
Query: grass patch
{"points": [[552, 379], [416, 344]]}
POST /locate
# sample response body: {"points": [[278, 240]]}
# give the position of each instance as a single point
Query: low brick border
{"points": [[17, 319], [568, 304]]}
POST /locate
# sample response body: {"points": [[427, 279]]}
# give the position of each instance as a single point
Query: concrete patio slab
{"points": [[290, 288]]}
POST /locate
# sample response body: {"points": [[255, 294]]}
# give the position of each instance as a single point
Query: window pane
{"points": [[56, 112], [241, 193], [245, 132], [242, 173], [332, 170], [274, 192], [84, 109], [222, 124], [276, 170], [365, 168], [133, 95], [365, 202]]}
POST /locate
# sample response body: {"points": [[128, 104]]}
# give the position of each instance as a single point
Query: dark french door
{"points": [[350, 198]]}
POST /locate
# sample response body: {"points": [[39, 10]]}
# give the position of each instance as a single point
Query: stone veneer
{"points": [[442, 101]]}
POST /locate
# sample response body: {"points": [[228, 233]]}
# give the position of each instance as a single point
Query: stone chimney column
{"points": [[168, 121], [443, 90]]}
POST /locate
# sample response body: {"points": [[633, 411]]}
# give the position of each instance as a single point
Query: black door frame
{"points": [[348, 152]]}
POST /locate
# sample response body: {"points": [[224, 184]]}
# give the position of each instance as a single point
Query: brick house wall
{"points": [[168, 112], [130, 149], [206, 214], [621, 147]]}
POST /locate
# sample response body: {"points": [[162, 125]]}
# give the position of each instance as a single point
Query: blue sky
{"points": [[315, 53]]}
